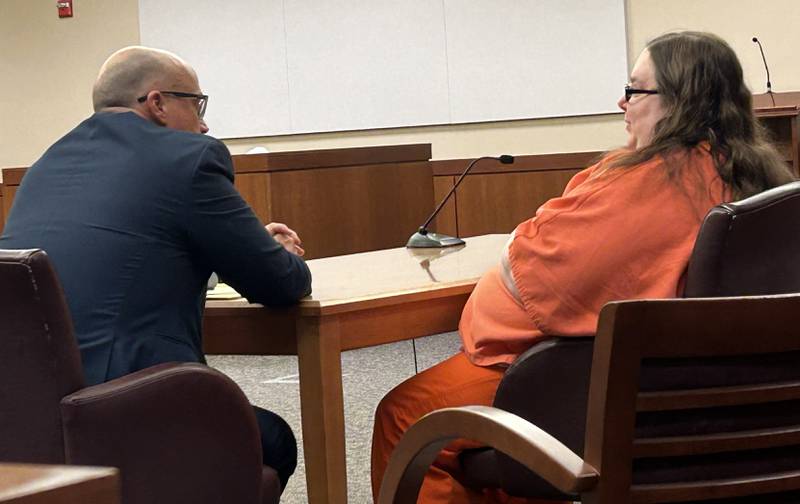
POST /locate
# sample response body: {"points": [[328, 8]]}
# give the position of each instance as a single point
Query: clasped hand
{"points": [[284, 235]]}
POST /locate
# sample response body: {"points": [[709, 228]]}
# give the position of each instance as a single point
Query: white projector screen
{"points": [[275, 67]]}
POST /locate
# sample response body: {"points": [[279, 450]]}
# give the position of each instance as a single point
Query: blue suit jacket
{"points": [[135, 217]]}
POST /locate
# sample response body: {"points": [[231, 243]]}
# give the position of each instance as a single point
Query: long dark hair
{"points": [[700, 83]]}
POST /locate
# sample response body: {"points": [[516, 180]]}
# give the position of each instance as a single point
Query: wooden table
{"points": [[359, 300], [55, 484]]}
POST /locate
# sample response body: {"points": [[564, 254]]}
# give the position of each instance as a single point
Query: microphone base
{"points": [[432, 240]]}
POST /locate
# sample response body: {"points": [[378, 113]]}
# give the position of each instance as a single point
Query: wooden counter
{"points": [[57, 484]]}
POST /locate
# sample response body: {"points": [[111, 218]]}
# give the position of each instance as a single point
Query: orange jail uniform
{"points": [[620, 233]]}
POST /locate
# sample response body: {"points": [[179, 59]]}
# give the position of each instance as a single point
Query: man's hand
{"points": [[286, 237]]}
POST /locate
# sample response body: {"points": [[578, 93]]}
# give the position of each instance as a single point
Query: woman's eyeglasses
{"points": [[629, 91]]}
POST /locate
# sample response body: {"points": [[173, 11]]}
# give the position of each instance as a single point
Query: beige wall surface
{"points": [[775, 23], [47, 67]]}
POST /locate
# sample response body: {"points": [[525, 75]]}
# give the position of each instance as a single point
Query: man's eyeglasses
{"points": [[202, 100], [629, 91]]}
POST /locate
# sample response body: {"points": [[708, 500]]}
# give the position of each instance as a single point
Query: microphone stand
{"points": [[424, 238], [764, 59]]}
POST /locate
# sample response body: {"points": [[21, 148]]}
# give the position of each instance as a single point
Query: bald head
{"points": [[132, 72]]}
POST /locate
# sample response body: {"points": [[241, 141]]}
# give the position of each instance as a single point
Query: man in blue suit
{"points": [[136, 208]]}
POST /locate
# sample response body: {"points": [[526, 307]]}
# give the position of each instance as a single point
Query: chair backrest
{"points": [[39, 358], [734, 435], [749, 247]]}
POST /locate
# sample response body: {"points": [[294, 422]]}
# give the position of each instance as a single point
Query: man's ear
{"points": [[154, 108]]}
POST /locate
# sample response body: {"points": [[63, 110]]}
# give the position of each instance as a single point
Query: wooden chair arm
{"points": [[503, 431]]}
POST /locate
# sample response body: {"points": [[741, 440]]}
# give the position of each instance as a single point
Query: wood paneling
{"points": [[494, 197], [445, 222], [11, 180], [525, 163], [353, 209], [780, 113], [8, 198], [255, 189], [341, 201], [496, 203], [330, 158]]}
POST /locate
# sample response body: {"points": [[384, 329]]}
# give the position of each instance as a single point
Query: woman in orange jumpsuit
{"points": [[623, 229]]}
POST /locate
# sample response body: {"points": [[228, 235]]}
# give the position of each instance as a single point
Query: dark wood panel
{"points": [[335, 209], [526, 163], [396, 323], [496, 203], [354, 209], [445, 222], [255, 189], [8, 199], [676, 446], [763, 101], [13, 176], [780, 113], [8, 188], [780, 132], [716, 397], [248, 330], [329, 158]]}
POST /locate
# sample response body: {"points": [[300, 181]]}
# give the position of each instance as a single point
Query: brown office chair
{"points": [[657, 428], [177, 432], [750, 247]]}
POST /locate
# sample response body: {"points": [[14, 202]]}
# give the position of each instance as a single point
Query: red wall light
{"points": [[64, 8]]}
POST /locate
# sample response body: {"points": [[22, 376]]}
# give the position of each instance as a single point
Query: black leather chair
{"points": [[177, 432], [749, 247]]}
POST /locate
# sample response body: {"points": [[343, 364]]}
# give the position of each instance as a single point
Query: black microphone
{"points": [[425, 239], [764, 59]]}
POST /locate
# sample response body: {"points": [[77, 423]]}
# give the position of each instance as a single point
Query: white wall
{"points": [[47, 67], [278, 67]]}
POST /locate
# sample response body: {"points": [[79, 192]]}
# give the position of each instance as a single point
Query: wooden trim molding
{"points": [[534, 162], [13, 176], [330, 158]]}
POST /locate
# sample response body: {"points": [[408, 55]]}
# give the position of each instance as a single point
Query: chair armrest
{"points": [[178, 433], [503, 431]]}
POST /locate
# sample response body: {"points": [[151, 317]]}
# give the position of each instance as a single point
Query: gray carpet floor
{"points": [[367, 374]]}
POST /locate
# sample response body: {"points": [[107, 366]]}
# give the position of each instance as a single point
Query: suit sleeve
{"points": [[224, 229]]}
